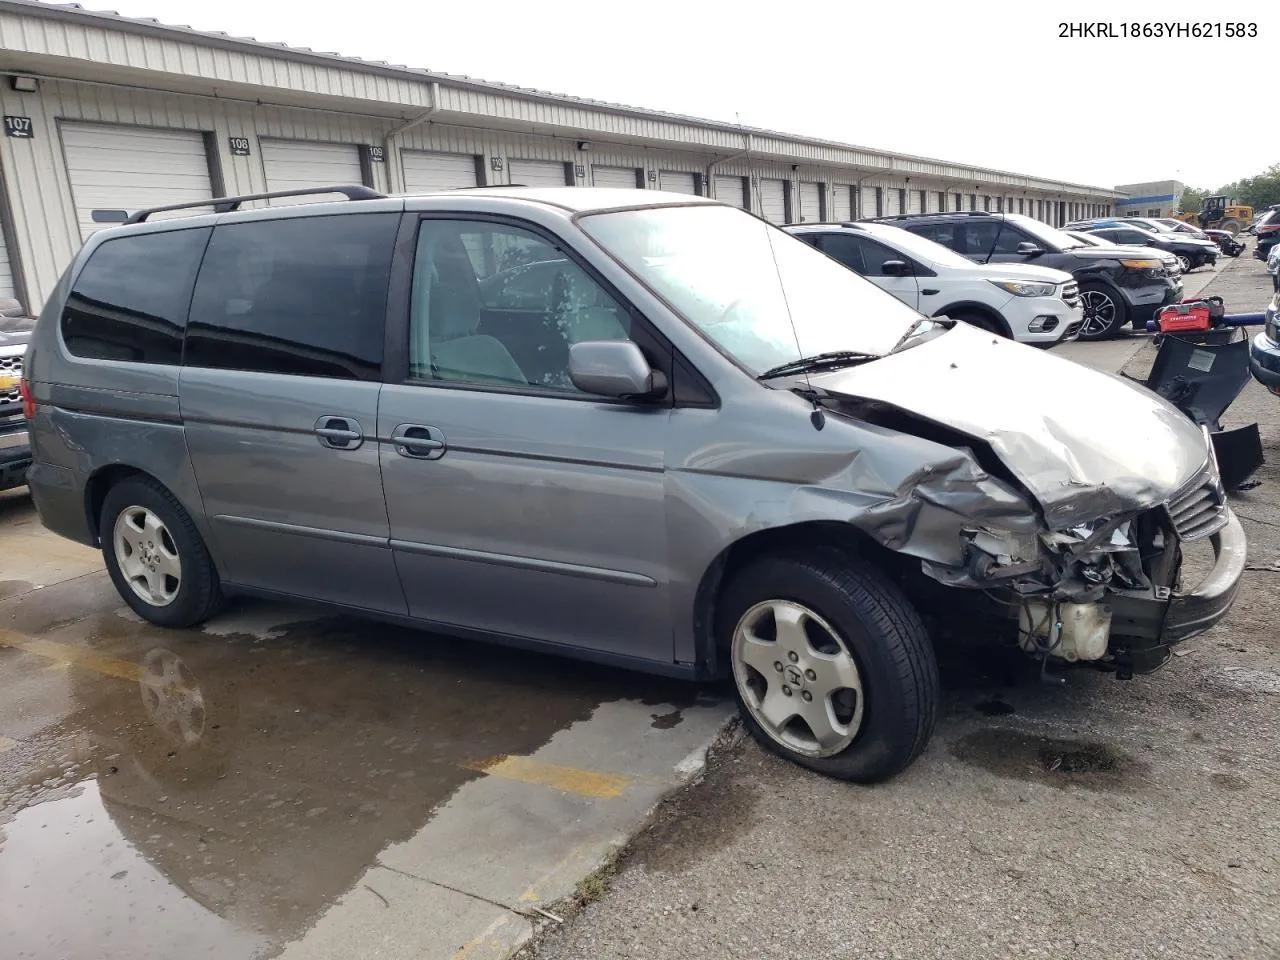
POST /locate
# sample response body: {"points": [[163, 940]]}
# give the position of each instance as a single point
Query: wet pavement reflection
{"points": [[207, 793]]}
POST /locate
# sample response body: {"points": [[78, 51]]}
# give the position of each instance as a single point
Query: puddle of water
{"points": [[1054, 762], [71, 885]]}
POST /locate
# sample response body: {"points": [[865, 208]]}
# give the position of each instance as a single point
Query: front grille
{"points": [[10, 367], [1200, 510], [1071, 293]]}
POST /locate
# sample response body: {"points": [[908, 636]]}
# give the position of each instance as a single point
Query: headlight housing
{"points": [[1026, 288]]}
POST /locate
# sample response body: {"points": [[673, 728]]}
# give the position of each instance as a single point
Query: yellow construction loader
{"points": [[1219, 213]]}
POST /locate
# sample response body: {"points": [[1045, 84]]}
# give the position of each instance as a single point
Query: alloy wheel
{"points": [[797, 678], [147, 556], [1099, 311], [1185, 263]]}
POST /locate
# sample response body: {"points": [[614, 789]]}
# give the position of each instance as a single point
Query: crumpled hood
{"points": [[1084, 443]]}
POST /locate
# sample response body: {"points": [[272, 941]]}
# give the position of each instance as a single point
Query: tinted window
{"points": [[1009, 239], [496, 304], [130, 300], [847, 250], [304, 296]]}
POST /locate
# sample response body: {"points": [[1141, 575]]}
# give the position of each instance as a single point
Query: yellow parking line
{"points": [[66, 655], [587, 783]]}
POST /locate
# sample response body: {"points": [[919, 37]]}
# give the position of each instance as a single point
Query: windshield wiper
{"points": [[819, 361]]}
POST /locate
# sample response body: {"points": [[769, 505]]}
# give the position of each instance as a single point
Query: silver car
{"points": [[640, 428]]}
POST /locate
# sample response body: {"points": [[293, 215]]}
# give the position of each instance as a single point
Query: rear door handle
{"points": [[418, 441], [338, 432]]}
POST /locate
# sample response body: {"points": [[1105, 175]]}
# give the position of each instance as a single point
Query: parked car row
{"points": [[1117, 285], [1191, 247]]}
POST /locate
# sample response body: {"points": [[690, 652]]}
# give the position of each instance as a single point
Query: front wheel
{"points": [[832, 666], [1184, 262], [1104, 312], [155, 555]]}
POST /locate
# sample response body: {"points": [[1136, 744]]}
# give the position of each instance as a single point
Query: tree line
{"points": [[1259, 191]]}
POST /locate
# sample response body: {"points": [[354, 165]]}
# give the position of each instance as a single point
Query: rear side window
{"points": [[130, 300], [304, 296]]}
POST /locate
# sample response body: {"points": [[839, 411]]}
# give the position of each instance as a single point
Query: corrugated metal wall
{"points": [[44, 226]]}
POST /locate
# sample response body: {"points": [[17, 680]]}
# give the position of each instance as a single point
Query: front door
{"points": [[519, 505], [279, 394], [866, 257]]}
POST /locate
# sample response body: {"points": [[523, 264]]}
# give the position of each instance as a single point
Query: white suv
{"points": [[1034, 305]]}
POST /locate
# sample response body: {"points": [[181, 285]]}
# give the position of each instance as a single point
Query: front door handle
{"points": [[418, 441], [338, 432]]}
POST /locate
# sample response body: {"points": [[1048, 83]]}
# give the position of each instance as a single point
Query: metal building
{"points": [[1156, 198], [106, 112]]}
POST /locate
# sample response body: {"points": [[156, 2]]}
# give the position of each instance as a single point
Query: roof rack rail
{"points": [[227, 204]]}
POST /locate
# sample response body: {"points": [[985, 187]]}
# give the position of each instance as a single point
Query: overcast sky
{"points": [[988, 83]]}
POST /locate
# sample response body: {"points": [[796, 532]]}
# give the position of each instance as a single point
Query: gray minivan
{"points": [[635, 427]]}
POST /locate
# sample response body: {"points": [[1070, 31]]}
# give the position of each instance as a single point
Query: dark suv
{"points": [[1116, 285], [1268, 231]]}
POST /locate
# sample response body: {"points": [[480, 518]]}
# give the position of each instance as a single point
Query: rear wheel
{"points": [[832, 666], [155, 555], [1231, 226], [1104, 312], [982, 322]]}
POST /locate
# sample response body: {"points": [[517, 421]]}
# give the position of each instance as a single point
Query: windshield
{"points": [[762, 296], [918, 246], [1051, 237]]}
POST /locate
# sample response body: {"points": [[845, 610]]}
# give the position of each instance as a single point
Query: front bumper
{"points": [[15, 457], [1146, 298], [1023, 312], [1155, 624], [1264, 362]]}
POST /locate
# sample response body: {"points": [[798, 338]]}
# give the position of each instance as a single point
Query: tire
{"points": [[1184, 262], [854, 626], [1231, 226], [156, 557], [983, 322], [1104, 312]]}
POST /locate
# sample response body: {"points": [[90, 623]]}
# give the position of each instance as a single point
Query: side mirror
{"points": [[614, 368], [1028, 249], [895, 268]]}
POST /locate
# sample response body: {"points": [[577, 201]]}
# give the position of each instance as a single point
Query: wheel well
{"points": [[95, 491], [957, 311], [808, 535]]}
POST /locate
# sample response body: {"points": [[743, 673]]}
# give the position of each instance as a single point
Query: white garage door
{"points": [[913, 201], [624, 177], [810, 206], [132, 168], [6, 271], [730, 190], [432, 172], [891, 201], [299, 165], [674, 182], [773, 204], [868, 202], [538, 173], [841, 203]]}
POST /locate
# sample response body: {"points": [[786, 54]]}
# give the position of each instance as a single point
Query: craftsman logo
{"points": [[19, 127]]}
